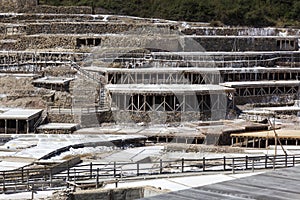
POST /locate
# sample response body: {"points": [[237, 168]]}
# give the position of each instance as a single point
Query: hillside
{"points": [[255, 13]]}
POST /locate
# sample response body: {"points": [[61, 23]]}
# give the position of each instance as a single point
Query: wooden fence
{"points": [[95, 175]]}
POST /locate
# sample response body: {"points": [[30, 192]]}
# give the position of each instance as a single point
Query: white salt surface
{"points": [[26, 195], [38, 146]]}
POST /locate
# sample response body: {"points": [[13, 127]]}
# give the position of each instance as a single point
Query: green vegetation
{"points": [[256, 13]]}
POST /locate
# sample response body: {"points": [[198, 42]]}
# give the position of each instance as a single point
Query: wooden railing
{"points": [[71, 110], [96, 174]]}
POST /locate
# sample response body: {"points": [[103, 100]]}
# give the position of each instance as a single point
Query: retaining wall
{"points": [[116, 194]]}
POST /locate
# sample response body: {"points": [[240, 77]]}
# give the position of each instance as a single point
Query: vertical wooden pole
{"points": [[224, 163], [233, 165], [91, 169], [115, 170], [203, 160], [160, 166], [50, 176], [182, 165], [293, 160], [246, 162], [266, 161], [137, 169], [22, 174], [97, 178], [3, 185]]}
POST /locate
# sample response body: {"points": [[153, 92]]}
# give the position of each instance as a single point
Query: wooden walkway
{"points": [[279, 184]]}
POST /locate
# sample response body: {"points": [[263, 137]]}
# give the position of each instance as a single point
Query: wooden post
{"points": [[97, 178], [68, 172], [293, 160], [224, 163], [160, 166], [233, 165], [115, 169], [117, 183], [5, 126], [246, 162], [27, 126], [182, 165], [203, 163], [266, 161], [32, 191], [74, 175], [137, 169], [285, 160], [252, 165], [27, 179], [3, 183], [17, 126], [22, 174], [91, 169], [45, 173], [50, 176]]}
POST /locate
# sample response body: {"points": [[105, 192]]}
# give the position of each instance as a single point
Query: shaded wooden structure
{"points": [[20, 120], [263, 139], [53, 83]]}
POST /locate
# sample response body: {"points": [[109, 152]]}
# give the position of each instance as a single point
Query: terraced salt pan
{"points": [[27, 148]]}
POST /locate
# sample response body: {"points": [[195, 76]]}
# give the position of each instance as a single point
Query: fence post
{"points": [[68, 173], [160, 166], [115, 169], [4, 182], [224, 163], [203, 165], [285, 160], [274, 162], [182, 165], [50, 176], [45, 173], [137, 169], [22, 174], [74, 176], [246, 162], [233, 165], [91, 169], [97, 178], [253, 165], [27, 179], [266, 161], [32, 191], [293, 160]]}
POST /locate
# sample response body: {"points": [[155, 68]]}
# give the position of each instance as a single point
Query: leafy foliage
{"points": [[231, 12]]}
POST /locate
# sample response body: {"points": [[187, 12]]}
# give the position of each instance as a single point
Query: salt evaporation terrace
{"points": [[185, 90]]}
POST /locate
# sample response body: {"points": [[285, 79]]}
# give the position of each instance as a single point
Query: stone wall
{"points": [[17, 5], [241, 43], [95, 28], [62, 9], [240, 31], [31, 6], [61, 118]]}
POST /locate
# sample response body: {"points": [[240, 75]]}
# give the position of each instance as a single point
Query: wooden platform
{"points": [[282, 134]]}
